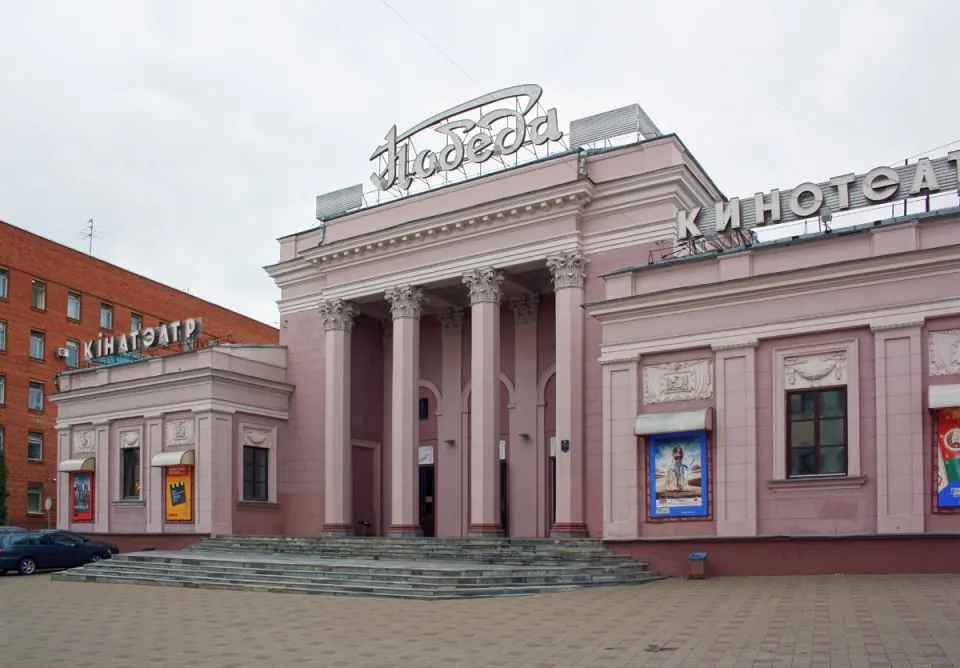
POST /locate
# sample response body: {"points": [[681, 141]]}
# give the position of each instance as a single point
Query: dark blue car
{"points": [[30, 551]]}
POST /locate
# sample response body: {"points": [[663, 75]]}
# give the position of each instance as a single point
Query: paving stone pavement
{"points": [[809, 622]]}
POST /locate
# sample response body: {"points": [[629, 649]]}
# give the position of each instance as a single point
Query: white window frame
{"points": [[36, 334], [70, 349], [124, 448], [3, 335], [4, 283], [79, 303], [850, 378], [249, 433], [138, 325], [3, 436], [30, 388], [3, 389], [30, 434], [34, 488], [106, 308], [36, 282]]}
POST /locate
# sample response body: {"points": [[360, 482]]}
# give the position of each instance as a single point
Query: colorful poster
{"points": [[178, 493], [82, 485], [948, 457], [678, 475]]}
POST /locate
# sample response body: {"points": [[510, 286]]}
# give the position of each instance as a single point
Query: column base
{"points": [[569, 530], [336, 530], [405, 531], [484, 531]]}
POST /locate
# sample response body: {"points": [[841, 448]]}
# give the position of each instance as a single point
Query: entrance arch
{"points": [[546, 454], [427, 453]]}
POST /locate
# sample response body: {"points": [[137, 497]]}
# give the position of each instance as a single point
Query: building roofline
{"points": [[87, 257]]}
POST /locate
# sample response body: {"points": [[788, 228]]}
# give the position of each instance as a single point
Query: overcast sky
{"points": [[196, 132]]}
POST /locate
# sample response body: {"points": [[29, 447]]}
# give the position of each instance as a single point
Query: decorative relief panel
{"points": [[129, 439], [256, 437], [181, 432], [677, 381], [945, 352], [84, 441], [815, 370]]}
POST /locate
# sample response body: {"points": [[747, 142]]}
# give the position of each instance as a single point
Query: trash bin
{"points": [[698, 566]]}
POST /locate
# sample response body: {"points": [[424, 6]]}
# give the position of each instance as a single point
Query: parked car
{"points": [[108, 548], [30, 551], [7, 529]]}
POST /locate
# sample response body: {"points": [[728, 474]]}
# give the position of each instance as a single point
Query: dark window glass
{"points": [[130, 466], [817, 432], [255, 473]]}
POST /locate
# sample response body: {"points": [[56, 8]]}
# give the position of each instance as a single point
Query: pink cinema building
{"points": [[517, 329]]}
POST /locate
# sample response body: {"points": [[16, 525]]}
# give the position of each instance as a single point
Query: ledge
{"points": [[128, 503], [951, 535], [838, 482], [257, 506]]}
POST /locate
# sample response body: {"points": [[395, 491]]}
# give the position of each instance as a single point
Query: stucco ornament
{"points": [[84, 441], [485, 285], [525, 309], [129, 439], [945, 352], [254, 436], [181, 432], [568, 269], [831, 367], [677, 381], [338, 314], [406, 301], [451, 322]]}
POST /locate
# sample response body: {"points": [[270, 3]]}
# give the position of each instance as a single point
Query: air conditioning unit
{"points": [[63, 352]]}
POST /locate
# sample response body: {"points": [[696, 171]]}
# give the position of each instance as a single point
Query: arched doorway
{"points": [[548, 407], [428, 412]]}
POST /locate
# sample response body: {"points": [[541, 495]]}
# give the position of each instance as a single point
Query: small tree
{"points": [[3, 487]]}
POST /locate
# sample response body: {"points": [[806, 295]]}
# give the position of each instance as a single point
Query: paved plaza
{"points": [[910, 621]]}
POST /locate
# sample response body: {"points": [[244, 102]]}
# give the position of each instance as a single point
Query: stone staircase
{"points": [[414, 568]]}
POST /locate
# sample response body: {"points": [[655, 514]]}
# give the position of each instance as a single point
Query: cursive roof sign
{"points": [[400, 168]]}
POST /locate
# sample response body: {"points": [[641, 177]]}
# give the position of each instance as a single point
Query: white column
{"points": [[568, 269], [338, 316], [485, 286], [405, 308]]}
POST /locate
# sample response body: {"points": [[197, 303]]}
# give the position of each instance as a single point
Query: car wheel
{"points": [[94, 558], [27, 566]]}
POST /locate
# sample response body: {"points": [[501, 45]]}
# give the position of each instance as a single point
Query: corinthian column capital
{"points": [[406, 301], [568, 269], [338, 314], [485, 285]]}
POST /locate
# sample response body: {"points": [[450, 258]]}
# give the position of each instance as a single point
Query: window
{"points": [[73, 306], [36, 396], [817, 432], [3, 389], [136, 322], [38, 295], [34, 498], [423, 407], [106, 316], [255, 473], [2, 436], [36, 344], [130, 473], [35, 446], [3, 335], [73, 354], [4, 283]]}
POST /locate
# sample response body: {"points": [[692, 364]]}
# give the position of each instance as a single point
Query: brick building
{"points": [[52, 300]]}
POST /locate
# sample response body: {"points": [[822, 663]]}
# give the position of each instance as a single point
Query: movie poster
{"points": [[178, 493], [82, 487], [948, 457], [678, 475]]}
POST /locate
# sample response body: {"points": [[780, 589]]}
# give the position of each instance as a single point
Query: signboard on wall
{"points": [[948, 458], [178, 493], [161, 336], [678, 475], [81, 485]]}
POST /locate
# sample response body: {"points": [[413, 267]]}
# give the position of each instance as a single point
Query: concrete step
{"points": [[250, 583], [427, 579]]}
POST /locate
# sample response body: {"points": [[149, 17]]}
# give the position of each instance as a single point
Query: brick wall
{"points": [[26, 257]]}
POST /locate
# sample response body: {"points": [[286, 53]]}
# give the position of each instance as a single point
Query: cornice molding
{"points": [[825, 323], [886, 326], [198, 406], [766, 287]]}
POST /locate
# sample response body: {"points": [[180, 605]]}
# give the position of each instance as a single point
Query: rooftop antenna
{"points": [[90, 234]]}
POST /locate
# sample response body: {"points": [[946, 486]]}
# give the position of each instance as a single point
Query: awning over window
{"points": [[175, 458], [674, 422], [71, 465], [944, 396]]}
